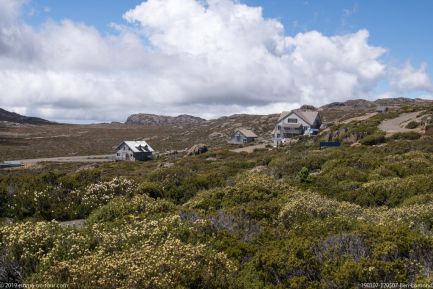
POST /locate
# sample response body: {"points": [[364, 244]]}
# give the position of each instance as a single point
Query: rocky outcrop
{"points": [[308, 107], [216, 135], [344, 135], [153, 119], [197, 149]]}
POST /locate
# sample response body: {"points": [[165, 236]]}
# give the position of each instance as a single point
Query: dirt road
{"points": [[249, 149], [359, 118], [75, 159], [398, 124]]}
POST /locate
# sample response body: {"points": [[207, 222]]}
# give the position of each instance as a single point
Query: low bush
{"points": [[132, 254], [140, 205], [412, 125], [373, 139], [412, 135], [429, 129]]}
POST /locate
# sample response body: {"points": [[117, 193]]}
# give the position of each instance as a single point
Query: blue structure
{"points": [[328, 144]]}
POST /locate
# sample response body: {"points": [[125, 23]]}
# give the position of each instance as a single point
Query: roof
{"points": [[309, 116], [283, 115], [137, 146], [382, 108], [246, 132]]}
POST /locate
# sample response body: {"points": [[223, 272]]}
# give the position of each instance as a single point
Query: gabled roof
{"points": [[283, 115], [309, 116], [382, 108], [137, 146], [246, 132]]}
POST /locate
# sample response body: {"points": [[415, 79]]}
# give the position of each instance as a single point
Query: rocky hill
{"points": [[338, 111], [153, 119], [367, 104], [18, 118]]}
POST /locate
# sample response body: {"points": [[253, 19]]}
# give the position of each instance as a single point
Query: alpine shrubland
{"points": [[290, 217]]}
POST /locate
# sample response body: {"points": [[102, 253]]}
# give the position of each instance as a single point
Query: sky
{"points": [[102, 60]]}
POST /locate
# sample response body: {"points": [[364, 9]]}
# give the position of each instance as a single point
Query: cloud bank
{"points": [[207, 58]]}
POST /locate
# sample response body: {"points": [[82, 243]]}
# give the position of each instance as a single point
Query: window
{"points": [[279, 127], [292, 120], [118, 154]]}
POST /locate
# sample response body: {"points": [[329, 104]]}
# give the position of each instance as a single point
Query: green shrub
{"points": [[392, 192], [412, 135], [140, 205], [373, 139], [429, 129], [151, 189], [304, 175], [412, 125]]}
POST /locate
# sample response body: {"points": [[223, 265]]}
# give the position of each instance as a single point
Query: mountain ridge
{"points": [[18, 118], [351, 104], [154, 119]]}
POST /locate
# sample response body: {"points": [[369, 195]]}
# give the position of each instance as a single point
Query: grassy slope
{"points": [[30, 141]]}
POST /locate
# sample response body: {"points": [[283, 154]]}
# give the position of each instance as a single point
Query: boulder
{"points": [[216, 135], [197, 149], [259, 169]]}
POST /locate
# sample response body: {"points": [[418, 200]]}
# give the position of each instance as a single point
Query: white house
{"points": [[295, 123], [134, 150]]}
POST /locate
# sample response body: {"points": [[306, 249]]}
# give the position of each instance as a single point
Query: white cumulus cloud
{"points": [[409, 78], [207, 57]]}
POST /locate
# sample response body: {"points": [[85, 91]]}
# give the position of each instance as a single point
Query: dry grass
{"points": [[44, 141]]}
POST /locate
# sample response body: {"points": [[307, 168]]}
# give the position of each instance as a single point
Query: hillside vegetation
{"points": [[289, 217]]}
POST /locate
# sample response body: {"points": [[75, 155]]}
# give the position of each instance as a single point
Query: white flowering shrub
{"points": [[135, 253], [99, 194], [60, 203], [42, 244]]}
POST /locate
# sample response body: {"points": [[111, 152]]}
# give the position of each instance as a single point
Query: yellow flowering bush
{"points": [[43, 243], [248, 187], [306, 206], [133, 253], [393, 191], [139, 205], [171, 264]]}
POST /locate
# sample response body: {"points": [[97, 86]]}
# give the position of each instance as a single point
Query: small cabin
{"points": [[242, 136], [382, 109], [134, 151]]}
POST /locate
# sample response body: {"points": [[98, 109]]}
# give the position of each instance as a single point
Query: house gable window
{"points": [[292, 120]]}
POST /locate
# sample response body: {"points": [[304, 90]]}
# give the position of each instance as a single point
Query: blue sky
{"points": [[208, 57], [404, 27]]}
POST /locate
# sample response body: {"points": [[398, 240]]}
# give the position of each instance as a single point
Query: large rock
{"points": [[197, 149], [216, 135]]}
